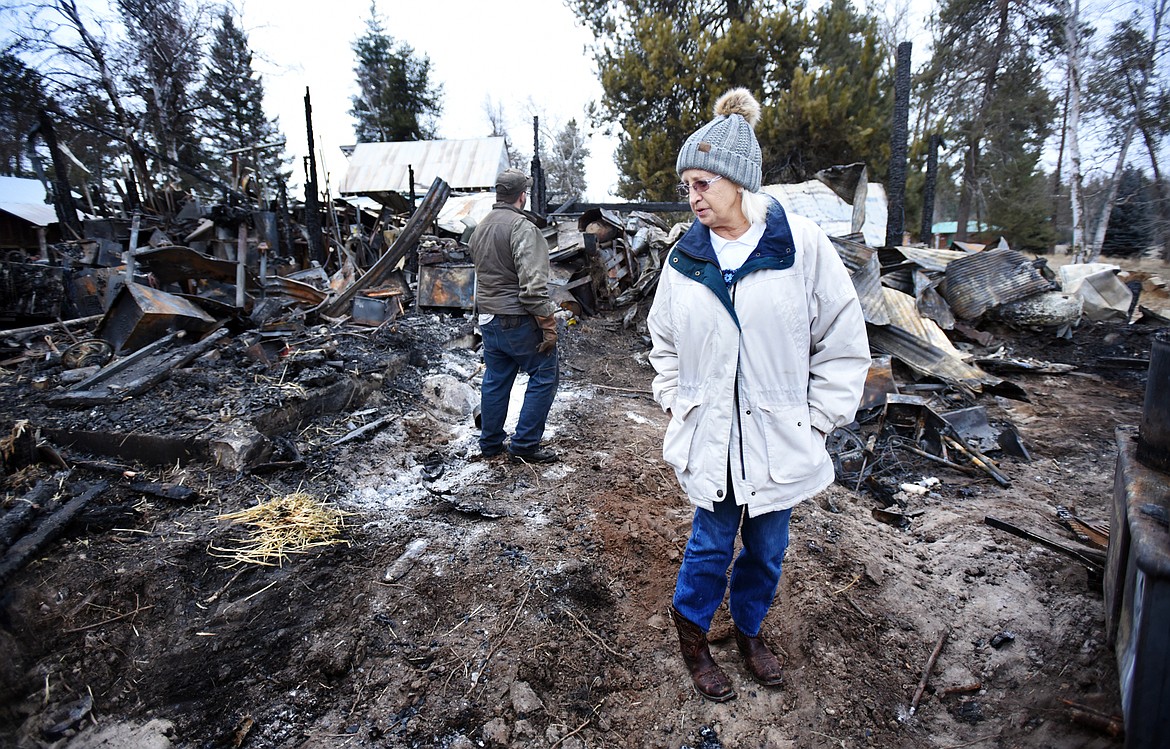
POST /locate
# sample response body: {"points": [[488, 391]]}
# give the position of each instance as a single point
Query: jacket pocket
{"points": [[680, 433], [793, 454]]}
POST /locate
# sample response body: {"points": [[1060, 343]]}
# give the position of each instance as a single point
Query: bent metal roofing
{"points": [[466, 165]]}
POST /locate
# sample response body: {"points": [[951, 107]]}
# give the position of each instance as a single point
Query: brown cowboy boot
{"points": [[709, 679], [763, 665]]}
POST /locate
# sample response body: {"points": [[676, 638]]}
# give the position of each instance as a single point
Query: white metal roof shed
{"points": [[25, 198], [465, 165]]}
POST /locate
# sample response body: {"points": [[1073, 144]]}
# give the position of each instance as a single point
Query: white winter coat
{"points": [[755, 376]]}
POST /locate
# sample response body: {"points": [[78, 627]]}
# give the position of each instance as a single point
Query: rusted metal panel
{"points": [[879, 383], [369, 310], [446, 285], [984, 280], [141, 315], [174, 263]]}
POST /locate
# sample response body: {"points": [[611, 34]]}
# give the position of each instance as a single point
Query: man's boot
{"points": [[709, 679], [761, 662]]}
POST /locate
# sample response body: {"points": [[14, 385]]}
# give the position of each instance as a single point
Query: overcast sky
{"points": [[527, 56]]}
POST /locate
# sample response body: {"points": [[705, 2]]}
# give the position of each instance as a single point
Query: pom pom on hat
{"points": [[727, 145], [739, 101]]}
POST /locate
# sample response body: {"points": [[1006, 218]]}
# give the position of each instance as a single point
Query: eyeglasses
{"points": [[700, 186]]}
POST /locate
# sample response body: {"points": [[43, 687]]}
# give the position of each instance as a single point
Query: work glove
{"points": [[548, 331]]}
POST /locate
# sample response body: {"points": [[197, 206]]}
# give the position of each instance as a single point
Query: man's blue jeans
{"points": [[702, 578], [509, 346]]}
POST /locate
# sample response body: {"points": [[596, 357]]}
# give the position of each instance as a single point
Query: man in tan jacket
{"points": [[516, 321]]}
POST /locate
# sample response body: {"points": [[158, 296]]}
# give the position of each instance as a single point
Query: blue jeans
{"points": [[509, 345], [702, 578]]}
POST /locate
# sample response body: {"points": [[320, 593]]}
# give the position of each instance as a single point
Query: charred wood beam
{"points": [[926, 232], [538, 182], [21, 515], [1094, 560], [62, 194], [426, 214], [136, 380], [26, 549], [49, 327]]}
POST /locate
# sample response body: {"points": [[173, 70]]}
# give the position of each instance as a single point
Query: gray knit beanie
{"points": [[727, 145]]}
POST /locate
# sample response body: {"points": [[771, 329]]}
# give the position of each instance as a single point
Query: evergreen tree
{"points": [[97, 151], [986, 94], [395, 99], [838, 106], [21, 96], [1013, 187], [166, 49], [1131, 223], [663, 66], [231, 102], [564, 165]]}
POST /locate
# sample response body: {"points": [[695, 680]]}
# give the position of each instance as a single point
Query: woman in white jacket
{"points": [[760, 351]]}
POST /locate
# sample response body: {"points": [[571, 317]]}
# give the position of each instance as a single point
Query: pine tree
{"points": [[100, 153], [21, 96], [991, 106], [231, 102], [1131, 223], [837, 108], [166, 49], [663, 66], [564, 165], [395, 100]]}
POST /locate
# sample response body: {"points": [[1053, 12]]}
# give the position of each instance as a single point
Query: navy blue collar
{"points": [[694, 257]]}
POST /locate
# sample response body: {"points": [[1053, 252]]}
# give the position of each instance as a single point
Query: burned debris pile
{"points": [[217, 333], [947, 329], [251, 332]]}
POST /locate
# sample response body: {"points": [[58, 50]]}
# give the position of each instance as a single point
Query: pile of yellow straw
{"points": [[285, 525]]}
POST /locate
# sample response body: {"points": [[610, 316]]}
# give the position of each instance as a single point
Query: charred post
{"points": [[896, 183], [538, 187], [312, 209], [926, 233]]}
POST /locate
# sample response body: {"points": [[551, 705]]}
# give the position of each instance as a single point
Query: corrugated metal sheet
{"points": [[929, 259], [904, 314], [25, 198], [920, 355], [867, 282], [814, 200], [983, 280], [37, 215], [470, 164], [21, 190]]}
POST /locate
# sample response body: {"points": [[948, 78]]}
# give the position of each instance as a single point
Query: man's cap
{"points": [[512, 182]]}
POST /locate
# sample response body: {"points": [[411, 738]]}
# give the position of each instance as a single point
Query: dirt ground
{"points": [[480, 603]]}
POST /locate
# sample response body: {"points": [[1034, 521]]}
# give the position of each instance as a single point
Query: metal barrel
{"points": [[1153, 448]]}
